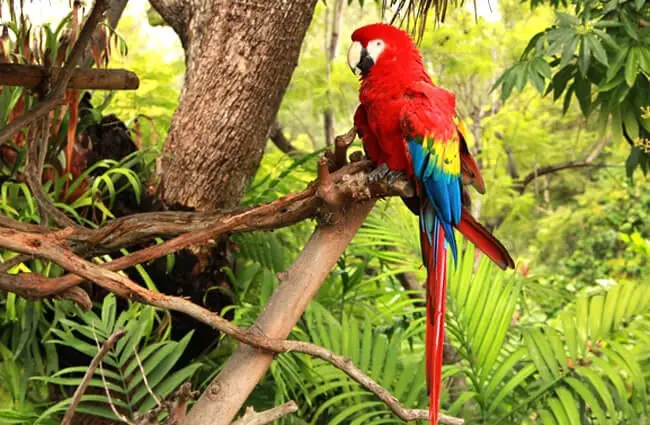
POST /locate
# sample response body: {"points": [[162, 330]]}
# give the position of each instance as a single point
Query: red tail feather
{"points": [[484, 240], [435, 329]]}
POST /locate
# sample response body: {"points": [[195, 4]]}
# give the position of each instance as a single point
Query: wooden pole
{"points": [[31, 76]]}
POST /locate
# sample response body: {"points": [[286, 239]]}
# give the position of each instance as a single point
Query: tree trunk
{"points": [[239, 56]]}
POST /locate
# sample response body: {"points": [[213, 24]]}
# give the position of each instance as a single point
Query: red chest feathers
{"points": [[379, 123]]}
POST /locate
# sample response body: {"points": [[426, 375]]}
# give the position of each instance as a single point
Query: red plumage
{"points": [[399, 106]]}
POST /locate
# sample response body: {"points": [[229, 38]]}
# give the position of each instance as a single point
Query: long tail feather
{"points": [[436, 261], [484, 240]]}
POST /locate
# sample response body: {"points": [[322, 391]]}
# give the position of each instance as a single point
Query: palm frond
{"points": [[134, 358], [413, 14]]}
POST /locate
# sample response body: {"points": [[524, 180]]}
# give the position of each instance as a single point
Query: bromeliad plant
{"points": [[66, 158]]}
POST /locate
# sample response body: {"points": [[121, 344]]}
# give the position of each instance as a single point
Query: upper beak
{"points": [[358, 58]]}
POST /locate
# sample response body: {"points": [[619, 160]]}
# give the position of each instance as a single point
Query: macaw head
{"points": [[380, 44]]}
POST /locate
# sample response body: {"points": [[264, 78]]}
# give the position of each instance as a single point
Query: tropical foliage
{"points": [[563, 340]]}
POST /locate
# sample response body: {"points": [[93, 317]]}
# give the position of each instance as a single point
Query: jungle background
{"points": [[563, 339]]}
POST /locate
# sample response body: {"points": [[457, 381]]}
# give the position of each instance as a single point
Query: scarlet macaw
{"points": [[407, 124]]}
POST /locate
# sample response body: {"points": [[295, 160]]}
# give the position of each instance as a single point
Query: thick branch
{"points": [[229, 390], [193, 228], [32, 76], [176, 15], [81, 389], [251, 417]]}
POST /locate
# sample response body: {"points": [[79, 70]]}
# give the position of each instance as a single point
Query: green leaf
{"points": [[584, 57], [569, 330], [598, 384], [632, 66], [631, 125], [461, 401], [380, 345], [583, 93], [565, 19], [618, 63], [547, 417], [521, 76], [542, 67], [568, 53], [170, 384], [595, 317], [537, 81], [539, 358], [567, 98], [596, 48], [108, 312], [589, 398], [644, 58], [505, 368], [570, 405], [615, 82], [560, 80], [531, 44], [558, 411], [607, 39], [513, 383], [628, 25], [614, 376]]}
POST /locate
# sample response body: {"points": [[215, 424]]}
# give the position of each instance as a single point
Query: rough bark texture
{"points": [[240, 56]]}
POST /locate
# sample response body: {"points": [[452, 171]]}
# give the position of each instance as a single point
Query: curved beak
{"points": [[359, 60]]}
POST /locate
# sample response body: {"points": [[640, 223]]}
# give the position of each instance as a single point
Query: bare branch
{"points": [[144, 377], [81, 389], [34, 170], [175, 405], [251, 417], [588, 161], [106, 390], [280, 140]]}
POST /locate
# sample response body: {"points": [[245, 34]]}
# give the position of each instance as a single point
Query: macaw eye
{"points": [[375, 47]]}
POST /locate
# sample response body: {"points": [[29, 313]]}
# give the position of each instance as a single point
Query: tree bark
{"points": [[239, 59]]}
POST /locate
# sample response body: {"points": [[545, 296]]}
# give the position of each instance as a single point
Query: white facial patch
{"points": [[374, 48], [354, 55]]}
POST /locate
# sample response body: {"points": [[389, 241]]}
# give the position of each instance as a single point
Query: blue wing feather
{"points": [[443, 191]]}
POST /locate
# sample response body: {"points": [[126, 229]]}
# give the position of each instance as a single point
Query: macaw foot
{"points": [[378, 173], [393, 176], [384, 173]]}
